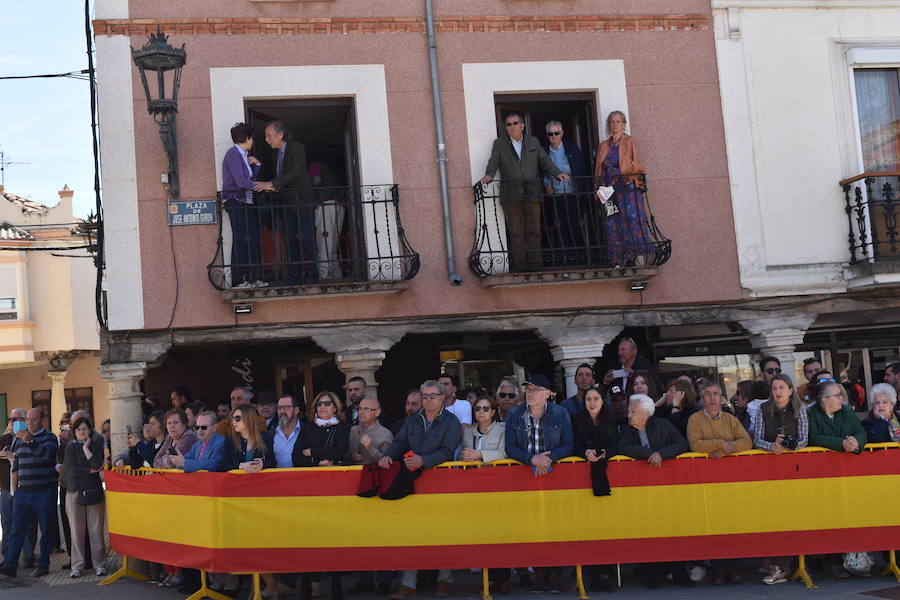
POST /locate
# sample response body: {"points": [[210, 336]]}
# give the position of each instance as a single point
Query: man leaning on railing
{"points": [[539, 433], [718, 433], [426, 439]]}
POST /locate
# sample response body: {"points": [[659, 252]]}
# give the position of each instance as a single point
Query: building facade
{"points": [[412, 285], [49, 353]]}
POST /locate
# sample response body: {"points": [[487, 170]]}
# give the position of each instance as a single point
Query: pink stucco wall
{"points": [[675, 116]]}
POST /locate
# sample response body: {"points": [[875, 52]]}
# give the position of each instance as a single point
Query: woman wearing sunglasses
{"points": [[322, 443], [486, 439], [248, 449]]}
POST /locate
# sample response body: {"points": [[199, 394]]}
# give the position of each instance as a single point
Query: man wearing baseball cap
{"points": [[539, 433]]}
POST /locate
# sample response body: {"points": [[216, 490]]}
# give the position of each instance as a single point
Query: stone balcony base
{"points": [[318, 290], [567, 276]]}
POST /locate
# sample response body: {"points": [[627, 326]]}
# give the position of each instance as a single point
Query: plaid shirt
{"points": [[535, 439], [759, 432]]}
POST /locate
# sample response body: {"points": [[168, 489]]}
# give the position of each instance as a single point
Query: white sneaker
{"points": [[100, 572], [697, 573], [260, 283], [776, 576], [244, 284], [75, 574]]}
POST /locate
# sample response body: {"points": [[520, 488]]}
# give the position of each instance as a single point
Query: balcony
{"points": [[871, 203], [527, 233], [313, 242]]}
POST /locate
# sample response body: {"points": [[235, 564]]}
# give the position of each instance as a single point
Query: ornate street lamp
{"points": [[159, 57]]}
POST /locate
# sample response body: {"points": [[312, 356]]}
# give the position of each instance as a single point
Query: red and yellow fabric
{"points": [[496, 516]]}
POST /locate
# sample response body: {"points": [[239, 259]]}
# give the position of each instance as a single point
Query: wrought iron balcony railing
{"points": [[316, 236], [531, 225], [871, 204]]}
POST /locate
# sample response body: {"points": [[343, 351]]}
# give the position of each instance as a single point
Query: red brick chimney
{"points": [[63, 193]]}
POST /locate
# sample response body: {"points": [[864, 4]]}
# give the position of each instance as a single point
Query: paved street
{"points": [[60, 587]]}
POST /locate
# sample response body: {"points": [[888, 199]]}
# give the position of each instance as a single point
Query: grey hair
{"points": [[210, 414], [646, 402], [279, 127], [247, 393], [708, 384], [882, 388], [507, 383], [18, 411], [823, 388], [557, 123], [433, 383]]}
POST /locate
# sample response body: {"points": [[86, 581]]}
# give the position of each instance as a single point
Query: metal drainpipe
{"points": [[452, 275]]}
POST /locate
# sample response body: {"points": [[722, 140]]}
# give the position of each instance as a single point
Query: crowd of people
{"points": [[625, 412]]}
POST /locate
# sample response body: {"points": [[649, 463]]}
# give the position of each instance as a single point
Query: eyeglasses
{"points": [[483, 409], [202, 427], [367, 409], [236, 418], [507, 395], [773, 371], [511, 123], [827, 380], [431, 396], [553, 133], [324, 402]]}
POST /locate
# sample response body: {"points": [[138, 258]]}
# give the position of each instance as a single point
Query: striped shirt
{"points": [[35, 462]]}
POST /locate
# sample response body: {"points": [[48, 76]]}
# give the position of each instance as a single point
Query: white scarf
{"points": [[326, 422]]}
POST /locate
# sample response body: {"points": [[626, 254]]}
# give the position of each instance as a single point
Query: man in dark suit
{"points": [[521, 160], [297, 210]]}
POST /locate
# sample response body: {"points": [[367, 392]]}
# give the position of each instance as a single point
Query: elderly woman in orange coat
{"points": [[628, 235]]}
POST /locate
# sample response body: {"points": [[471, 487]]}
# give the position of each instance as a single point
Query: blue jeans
{"points": [[29, 506], [6, 520]]}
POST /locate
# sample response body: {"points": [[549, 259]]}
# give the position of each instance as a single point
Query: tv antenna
{"points": [[6, 161]]}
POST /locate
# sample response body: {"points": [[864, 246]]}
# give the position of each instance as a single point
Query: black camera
{"points": [[789, 442]]}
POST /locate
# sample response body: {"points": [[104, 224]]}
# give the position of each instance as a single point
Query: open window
{"points": [[576, 111]]}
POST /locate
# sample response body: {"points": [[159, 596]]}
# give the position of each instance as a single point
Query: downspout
{"points": [[452, 275]]}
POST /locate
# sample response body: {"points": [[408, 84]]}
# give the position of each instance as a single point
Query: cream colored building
{"points": [[49, 345]]}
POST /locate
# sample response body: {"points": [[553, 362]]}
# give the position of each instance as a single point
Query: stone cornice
{"points": [[445, 24]]}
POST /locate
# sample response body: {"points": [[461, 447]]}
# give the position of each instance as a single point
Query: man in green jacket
{"points": [[521, 160], [833, 424]]}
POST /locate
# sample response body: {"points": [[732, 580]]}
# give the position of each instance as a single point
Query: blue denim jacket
{"points": [[556, 428]]}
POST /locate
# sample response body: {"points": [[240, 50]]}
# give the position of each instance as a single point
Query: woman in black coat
{"points": [[326, 439], [596, 440], [322, 443]]}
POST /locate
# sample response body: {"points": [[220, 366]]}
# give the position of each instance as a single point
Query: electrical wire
{"points": [[83, 75], [100, 260]]}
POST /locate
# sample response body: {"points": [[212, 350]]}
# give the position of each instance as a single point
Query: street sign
{"points": [[201, 212]]}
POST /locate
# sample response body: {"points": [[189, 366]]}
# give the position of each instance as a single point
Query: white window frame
{"points": [[483, 81]]}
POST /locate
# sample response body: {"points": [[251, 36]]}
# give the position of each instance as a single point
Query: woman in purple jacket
{"points": [[239, 170]]}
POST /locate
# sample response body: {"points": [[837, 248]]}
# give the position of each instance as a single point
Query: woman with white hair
{"points": [[882, 424], [653, 439], [647, 437]]}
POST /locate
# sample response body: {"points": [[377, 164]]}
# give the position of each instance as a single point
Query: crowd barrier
{"points": [[465, 515]]}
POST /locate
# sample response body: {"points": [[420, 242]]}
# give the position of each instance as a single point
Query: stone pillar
{"points": [[575, 341], [57, 398], [59, 364], [778, 336], [125, 398], [361, 363], [359, 351]]}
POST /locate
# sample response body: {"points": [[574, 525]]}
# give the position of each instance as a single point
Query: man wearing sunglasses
{"points": [[425, 439], [567, 201], [507, 397], [769, 367], [208, 451], [521, 160]]}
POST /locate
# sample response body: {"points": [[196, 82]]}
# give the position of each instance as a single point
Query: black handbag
{"points": [[89, 489], [90, 496]]}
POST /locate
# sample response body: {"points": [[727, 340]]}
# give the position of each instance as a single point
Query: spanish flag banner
{"points": [[289, 520]]}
